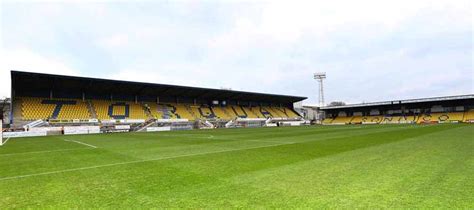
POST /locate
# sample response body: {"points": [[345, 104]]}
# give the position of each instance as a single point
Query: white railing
{"points": [[229, 124], [33, 124]]}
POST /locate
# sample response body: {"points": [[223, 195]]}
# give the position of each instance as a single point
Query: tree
{"points": [[337, 103]]}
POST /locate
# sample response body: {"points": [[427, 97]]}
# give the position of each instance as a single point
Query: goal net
{"points": [[3, 140], [1, 132]]}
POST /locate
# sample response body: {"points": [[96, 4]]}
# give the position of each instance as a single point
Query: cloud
{"points": [[26, 60], [371, 50]]}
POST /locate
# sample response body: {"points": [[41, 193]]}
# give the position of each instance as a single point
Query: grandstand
{"points": [[55, 100], [450, 109], [65, 99]]}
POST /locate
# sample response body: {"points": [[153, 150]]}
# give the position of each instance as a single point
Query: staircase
{"points": [[145, 125], [164, 109], [230, 124], [268, 121], [91, 109], [204, 124], [34, 124], [209, 124]]}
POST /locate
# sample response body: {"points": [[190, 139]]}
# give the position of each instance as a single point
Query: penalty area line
{"points": [[42, 151], [136, 161], [89, 145]]}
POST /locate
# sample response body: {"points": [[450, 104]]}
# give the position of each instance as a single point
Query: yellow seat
{"points": [[33, 108], [372, 119], [221, 113], [356, 120], [456, 116], [342, 120], [327, 121], [469, 116], [135, 110]]}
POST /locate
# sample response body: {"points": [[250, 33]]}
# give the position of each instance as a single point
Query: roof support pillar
{"points": [[51, 94], [11, 103]]}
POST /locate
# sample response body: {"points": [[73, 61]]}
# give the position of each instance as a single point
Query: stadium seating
{"points": [[388, 120], [166, 111], [327, 121], [369, 120], [372, 119], [342, 120], [195, 111], [184, 111], [256, 111], [441, 117], [366, 119], [101, 108], [41, 108], [286, 113], [291, 113], [239, 111], [137, 111], [424, 118], [407, 119], [356, 120], [251, 113], [265, 112], [77, 111], [469, 116], [455, 116], [108, 110], [276, 113], [228, 111], [205, 112], [221, 113]]}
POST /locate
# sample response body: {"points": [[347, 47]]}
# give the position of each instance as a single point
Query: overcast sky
{"points": [[370, 50]]}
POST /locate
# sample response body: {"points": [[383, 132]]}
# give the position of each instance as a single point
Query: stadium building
{"points": [[44, 100], [43, 104], [450, 109]]}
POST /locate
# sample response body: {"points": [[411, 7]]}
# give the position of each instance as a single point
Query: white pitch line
{"points": [[136, 161], [89, 145], [268, 141], [6, 141], [42, 151], [193, 136]]}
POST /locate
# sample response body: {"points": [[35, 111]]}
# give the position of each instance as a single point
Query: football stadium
{"points": [[218, 104], [77, 142]]}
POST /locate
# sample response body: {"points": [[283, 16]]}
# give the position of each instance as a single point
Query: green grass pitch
{"points": [[376, 166]]}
